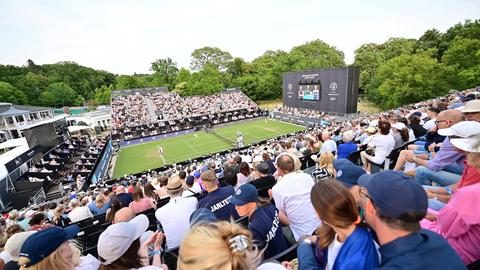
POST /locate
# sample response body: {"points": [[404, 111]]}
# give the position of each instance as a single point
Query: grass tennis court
{"points": [[140, 157]]}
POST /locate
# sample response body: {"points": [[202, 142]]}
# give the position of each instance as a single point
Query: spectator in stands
{"points": [[78, 212], [447, 166], [339, 243], [162, 187], [99, 206], [12, 217], [230, 176], [125, 198], [50, 249], [124, 215], [394, 205], [328, 145], [119, 246], [381, 144], [37, 222], [263, 220], [324, 167], [13, 246], [458, 222], [244, 174], [58, 216], [115, 206], [414, 123], [471, 111], [291, 196], [432, 113], [400, 134], [13, 229], [218, 198], [347, 147], [228, 245], [264, 182], [348, 173], [266, 157], [174, 216], [131, 187], [140, 202], [150, 192], [190, 180], [3, 233]]}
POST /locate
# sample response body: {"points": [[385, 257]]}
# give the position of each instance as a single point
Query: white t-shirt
{"points": [[328, 146], [292, 197], [333, 250], [430, 124], [5, 256], [383, 145], [79, 214], [175, 219]]}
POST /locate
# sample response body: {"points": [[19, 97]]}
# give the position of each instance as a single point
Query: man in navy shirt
{"points": [[125, 198], [264, 222], [394, 204], [265, 181], [218, 198]]}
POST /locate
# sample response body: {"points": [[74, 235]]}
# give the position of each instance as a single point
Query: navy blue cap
{"points": [[202, 215], [394, 193], [246, 193], [347, 172], [43, 243]]}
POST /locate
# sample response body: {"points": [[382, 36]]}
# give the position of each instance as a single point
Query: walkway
{"points": [[151, 109]]}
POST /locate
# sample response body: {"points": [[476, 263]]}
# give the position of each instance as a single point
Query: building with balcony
{"points": [[15, 118]]}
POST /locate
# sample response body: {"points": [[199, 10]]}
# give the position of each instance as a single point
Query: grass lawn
{"points": [[140, 157]]}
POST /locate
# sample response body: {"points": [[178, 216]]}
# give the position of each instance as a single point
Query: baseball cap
{"points": [[244, 194], [15, 242], [43, 243], [399, 126], [202, 215], [347, 172], [462, 129], [371, 130], [263, 167], [196, 174], [118, 237], [417, 113], [394, 193], [471, 106]]}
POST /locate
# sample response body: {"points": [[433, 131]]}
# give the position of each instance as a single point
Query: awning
{"points": [[13, 143], [77, 128]]}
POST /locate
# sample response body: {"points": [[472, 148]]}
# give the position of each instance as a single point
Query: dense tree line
{"points": [[396, 72]]}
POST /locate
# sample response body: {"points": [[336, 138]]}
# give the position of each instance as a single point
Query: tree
{"points": [[129, 82], [58, 95], [368, 57], [10, 94], [102, 94], [210, 56], [394, 47], [166, 69], [205, 82], [316, 54], [407, 79], [463, 56], [431, 39]]}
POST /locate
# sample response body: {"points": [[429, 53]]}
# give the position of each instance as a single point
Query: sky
{"points": [[126, 36]]}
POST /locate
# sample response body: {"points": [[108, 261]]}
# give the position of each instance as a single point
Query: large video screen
{"points": [[309, 92]]}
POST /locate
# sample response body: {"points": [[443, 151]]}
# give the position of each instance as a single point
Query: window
{"points": [[19, 118]]}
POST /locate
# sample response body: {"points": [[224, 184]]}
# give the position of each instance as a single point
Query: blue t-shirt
{"points": [[98, 211], [345, 149], [265, 226], [420, 251], [218, 201]]}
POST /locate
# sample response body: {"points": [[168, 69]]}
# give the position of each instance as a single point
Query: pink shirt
{"points": [[459, 223], [141, 205]]}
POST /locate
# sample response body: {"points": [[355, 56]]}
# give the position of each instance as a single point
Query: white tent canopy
{"points": [[13, 143], [77, 128]]}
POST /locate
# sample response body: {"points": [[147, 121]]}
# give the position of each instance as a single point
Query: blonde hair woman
{"points": [[50, 249], [325, 167], [219, 245]]}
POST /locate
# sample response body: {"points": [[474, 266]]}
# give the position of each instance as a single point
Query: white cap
{"points": [[462, 129], [118, 237], [471, 144], [15, 242], [399, 125]]}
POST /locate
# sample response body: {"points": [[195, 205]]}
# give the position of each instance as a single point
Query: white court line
{"points": [[191, 147]]}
